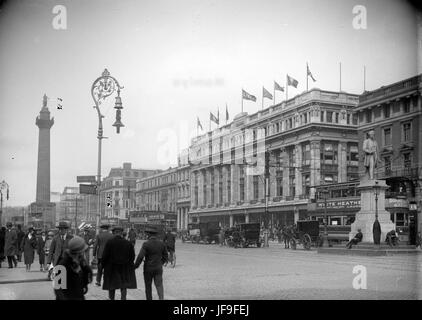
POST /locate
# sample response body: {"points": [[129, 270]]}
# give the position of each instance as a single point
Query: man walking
{"points": [[132, 236], [100, 242], [41, 250], [59, 244], [170, 242], [155, 254], [119, 271], [20, 234], [11, 245]]}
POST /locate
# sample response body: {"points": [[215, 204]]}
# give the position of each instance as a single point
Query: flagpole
{"points": [[364, 78], [287, 88], [307, 76]]}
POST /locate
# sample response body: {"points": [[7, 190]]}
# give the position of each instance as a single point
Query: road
{"points": [[214, 272]]}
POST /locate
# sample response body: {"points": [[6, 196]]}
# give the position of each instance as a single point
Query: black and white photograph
{"points": [[214, 150]]}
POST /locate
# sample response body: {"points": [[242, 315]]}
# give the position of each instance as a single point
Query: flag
{"points": [[266, 94], [292, 82], [214, 118], [198, 123], [227, 113], [310, 73], [248, 96], [278, 87]]}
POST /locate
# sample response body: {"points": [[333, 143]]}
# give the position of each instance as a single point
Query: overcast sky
{"points": [[177, 59]]}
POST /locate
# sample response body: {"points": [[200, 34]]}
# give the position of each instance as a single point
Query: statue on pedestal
{"points": [[370, 147]]}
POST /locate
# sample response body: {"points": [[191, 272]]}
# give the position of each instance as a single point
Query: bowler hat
{"points": [[77, 244], [117, 228], [9, 224], [63, 225], [151, 230]]}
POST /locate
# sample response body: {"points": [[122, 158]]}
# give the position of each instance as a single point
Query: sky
{"points": [[177, 60]]}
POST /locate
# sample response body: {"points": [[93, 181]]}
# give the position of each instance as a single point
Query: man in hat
{"points": [[357, 238], [11, 245], [100, 242], [20, 234], [78, 273], [154, 252], [59, 244], [117, 259]]}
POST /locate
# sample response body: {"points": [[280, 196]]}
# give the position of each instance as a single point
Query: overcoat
{"points": [[28, 246], [11, 243], [118, 261], [57, 248]]}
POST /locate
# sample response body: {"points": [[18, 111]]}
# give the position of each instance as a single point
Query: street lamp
{"points": [[3, 185], [325, 194], [102, 88], [376, 228]]}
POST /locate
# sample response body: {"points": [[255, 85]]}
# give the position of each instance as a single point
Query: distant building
{"points": [[394, 112], [71, 207], [119, 189], [183, 191]]}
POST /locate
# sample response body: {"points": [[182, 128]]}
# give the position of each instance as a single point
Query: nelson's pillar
{"points": [[42, 210]]}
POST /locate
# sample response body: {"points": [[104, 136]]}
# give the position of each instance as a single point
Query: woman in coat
{"points": [[29, 244], [118, 260], [2, 240]]}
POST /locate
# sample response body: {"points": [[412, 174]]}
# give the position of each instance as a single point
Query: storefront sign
{"points": [[339, 204], [396, 203]]}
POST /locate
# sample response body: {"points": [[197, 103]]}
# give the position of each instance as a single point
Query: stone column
{"points": [[225, 176], [246, 217], [286, 189], [273, 183], [342, 162], [315, 166], [217, 185], [200, 188], [231, 220], [209, 173], [235, 183], [298, 173], [248, 186]]}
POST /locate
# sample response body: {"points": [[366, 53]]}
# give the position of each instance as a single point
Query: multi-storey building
{"points": [[394, 112], [119, 189], [71, 207], [183, 190], [156, 196], [312, 139]]}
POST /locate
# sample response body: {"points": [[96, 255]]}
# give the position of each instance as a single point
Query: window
{"points": [[204, 189], [406, 132], [407, 161], [117, 183], [277, 127], [355, 119], [292, 186], [329, 153], [387, 165], [127, 173], [387, 137], [220, 187], [279, 182], [348, 118], [336, 117], [306, 184], [242, 184], [406, 106], [212, 188], [256, 187], [329, 116], [322, 116], [290, 123], [353, 154], [386, 110], [329, 178], [116, 193], [368, 115], [292, 157], [306, 154], [229, 185]]}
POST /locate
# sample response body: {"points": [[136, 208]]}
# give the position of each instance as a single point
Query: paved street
{"points": [[213, 272]]}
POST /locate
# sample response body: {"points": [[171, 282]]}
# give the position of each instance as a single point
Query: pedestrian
{"points": [[100, 242], [155, 254], [29, 245], [78, 273], [2, 239], [118, 260], [132, 236], [59, 243], [42, 239], [20, 236], [221, 236], [11, 245], [87, 238], [356, 239], [419, 240], [170, 242]]}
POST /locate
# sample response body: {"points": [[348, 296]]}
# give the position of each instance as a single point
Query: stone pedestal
{"points": [[366, 216]]}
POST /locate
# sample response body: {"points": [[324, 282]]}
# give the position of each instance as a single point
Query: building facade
{"points": [[394, 112], [312, 140], [71, 207], [117, 192], [183, 191]]}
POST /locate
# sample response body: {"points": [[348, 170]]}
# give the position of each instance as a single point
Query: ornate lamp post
{"points": [[325, 194], [376, 229], [102, 88], [3, 186]]}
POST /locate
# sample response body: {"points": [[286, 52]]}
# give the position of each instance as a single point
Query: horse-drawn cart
{"points": [[306, 233]]}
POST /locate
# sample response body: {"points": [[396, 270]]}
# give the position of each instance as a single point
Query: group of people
{"points": [[15, 243], [114, 253]]}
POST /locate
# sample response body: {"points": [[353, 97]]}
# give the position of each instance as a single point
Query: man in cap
{"points": [[154, 252], [100, 242], [78, 273], [357, 238], [117, 259], [11, 245], [59, 244]]}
